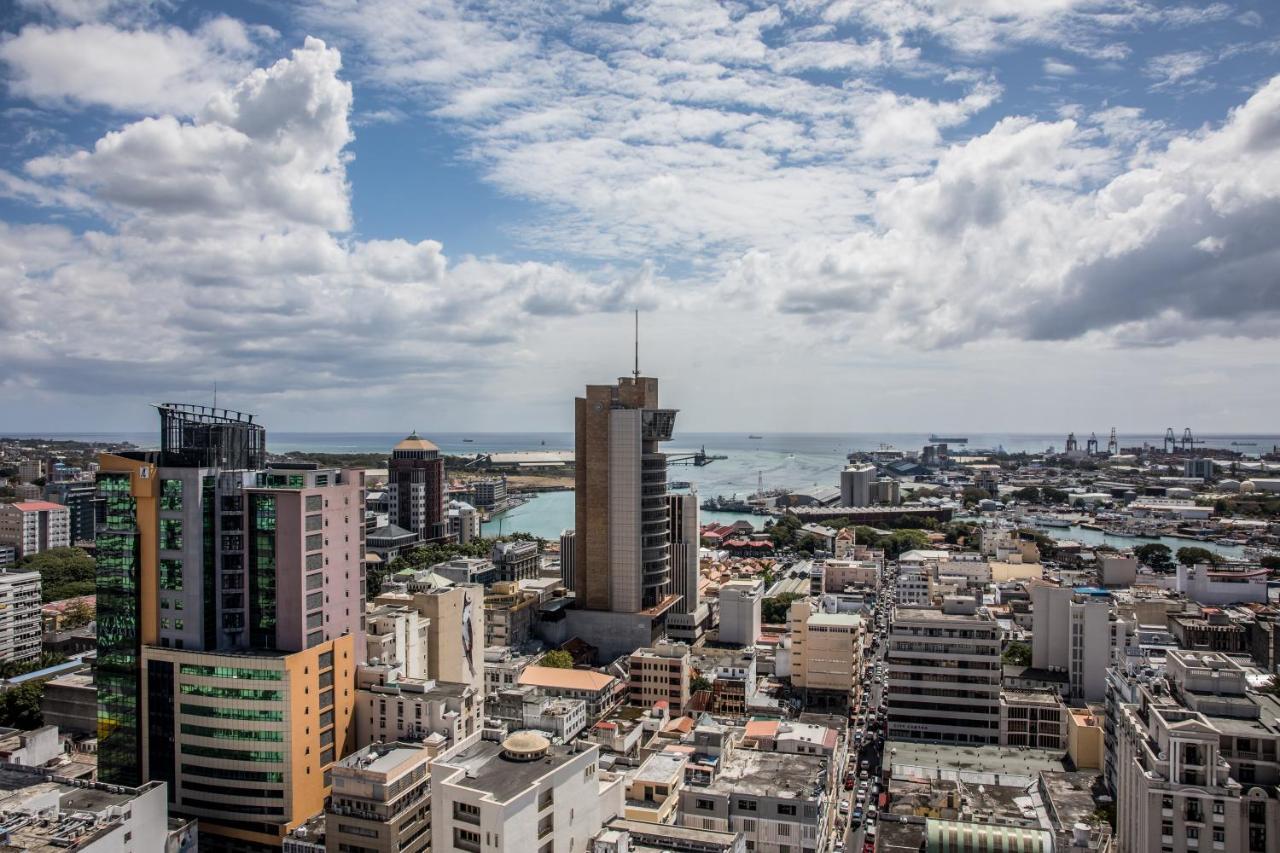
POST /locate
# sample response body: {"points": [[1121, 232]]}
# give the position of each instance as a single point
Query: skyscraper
{"points": [[622, 556], [416, 490], [688, 618], [224, 579]]}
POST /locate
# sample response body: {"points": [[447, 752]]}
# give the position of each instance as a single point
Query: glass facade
{"points": [[171, 575], [119, 633], [221, 713], [171, 494], [232, 754], [262, 573], [233, 693], [232, 672], [231, 734], [171, 534]]}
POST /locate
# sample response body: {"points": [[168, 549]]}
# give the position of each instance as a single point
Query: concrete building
{"points": [[416, 489], [740, 611], [1074, 630], [1117, 571], [622, 562], [8, 555], [855, 485], [516, 560], [639, 836], [944, 675], [688, 619], [659, 674], [839, 575], [1197, 763], [826, 654], [914, 588], [491, 493], [779, 802], [524, 794], [886, 491], [34, 526], [80, 497], [526, 707], [602, 692], [509, 615], [1204, 584], [245, 742], [19, 615], [1033, 718], [381, 801], [44, 812], [464, 522], [70, 702], [653, 789], [1202, 469]]}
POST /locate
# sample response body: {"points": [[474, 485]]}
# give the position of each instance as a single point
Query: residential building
{"points": [[838, 575], [516, 560], [381, 801], [464, 522], [467, 570], [19, 615], [34, 526], [80, 497], [622, 564], [8, 555], [1117, 571], [32, 469], [779, 802], [397, 638], [944, 674], [509, 615], [455, 619], [525, 707], [70, 702], [1074, 630], [740, 611], [914, 588], [826, 654], [245, 741], [1205, 584], [659, 673], [523, 794], [416, 489], [624, 836], [1196, 764], [653, 789], [855, 485], [491, 493]]}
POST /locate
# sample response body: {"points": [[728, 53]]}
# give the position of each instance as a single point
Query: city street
{"points": [[872, 744]]}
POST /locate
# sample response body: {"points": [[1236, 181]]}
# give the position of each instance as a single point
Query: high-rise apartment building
{"points": [[688, 619], [1074, 630], [826, 654], [19, 615], [416, 489], [381, 801], [855, 485], [220, 576], [740, 605], [944, 674], [34, 526], [80, 497]]}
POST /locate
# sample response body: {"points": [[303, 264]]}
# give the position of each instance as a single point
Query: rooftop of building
{"points": [[907, 613], [835, 620], [383, 759], [979, 759], [37, 506], [489, 770], [565, 679], [661, 767], [415, 442], [649, 836], [770, 774]]}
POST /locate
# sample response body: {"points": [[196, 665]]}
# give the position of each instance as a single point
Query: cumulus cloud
{"points": [[165, 69], [226, 260]]}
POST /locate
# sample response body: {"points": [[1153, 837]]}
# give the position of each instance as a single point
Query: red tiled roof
{"points": [[37, 506]]}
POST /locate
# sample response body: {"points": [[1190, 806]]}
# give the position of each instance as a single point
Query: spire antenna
{"points": [[637, 371]]}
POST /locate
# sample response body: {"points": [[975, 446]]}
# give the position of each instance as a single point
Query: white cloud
{"points": [[1054, 68], [167, 69], [1173, 69]]}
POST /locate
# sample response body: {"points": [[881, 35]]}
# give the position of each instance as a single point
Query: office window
{"points": [[171, 534]]}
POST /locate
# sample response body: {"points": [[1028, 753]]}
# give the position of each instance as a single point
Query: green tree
{"points": [[783, 532], [1191, 555], [64, 572], [1017, 653], [20, 706], [972, 494], [773, 611], [557, 659], [1271, 562], [1155, 555], [77, 614], [698, 683], [13, 668], [1052, 496], [1030, 494]]}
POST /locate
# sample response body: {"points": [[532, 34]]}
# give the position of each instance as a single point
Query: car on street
{"points": [[844, 807]]}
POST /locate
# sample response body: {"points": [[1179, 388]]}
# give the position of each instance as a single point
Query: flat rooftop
{"points": [[770, 774], [487, 771], [976, 759], [384, 760]]}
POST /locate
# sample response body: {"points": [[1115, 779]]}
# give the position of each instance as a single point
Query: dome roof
{"points": [[525, 746], [414, 442]]}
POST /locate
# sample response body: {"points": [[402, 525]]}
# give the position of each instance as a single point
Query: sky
{"points": [[832, 215]]}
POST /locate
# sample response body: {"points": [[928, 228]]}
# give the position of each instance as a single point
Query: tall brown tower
{"points": [[415, 482], [622, 556]]}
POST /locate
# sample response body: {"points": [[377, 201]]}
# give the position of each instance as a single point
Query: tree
{"points": [[1271, 562], [77, 614], [1155, 555], [1030, 494], [773, 611], [972, 494], [783, 532], [698, 683], [20, 706], [1192, 555], [1052, 496], [1017, 653], [64, 572], [558, 659], [13, 668]]}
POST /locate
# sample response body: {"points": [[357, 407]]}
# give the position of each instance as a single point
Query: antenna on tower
{"points": [[215, 393], [637, 371]]}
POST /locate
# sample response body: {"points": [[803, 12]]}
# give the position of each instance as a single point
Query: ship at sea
{"points": [[755, 436], [943, 439]]}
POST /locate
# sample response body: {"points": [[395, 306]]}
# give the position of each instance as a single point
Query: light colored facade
{"points": [[602, 692], [740, 611], [886, 491], [1033, 718], [437, 713], [826, 650], [1196, 766], [455, 649], [397, 638], [19, 615], [1204, 584], [516, 560], [1074, 630], [653, 789], [689, 618], [840, 574], [1117, 571], [509, 614], [660, 674], [253, 736], [524, 795], [381, 801], [855, 485], [914, 589], [34, 526], [944, 675], [464, 522]]}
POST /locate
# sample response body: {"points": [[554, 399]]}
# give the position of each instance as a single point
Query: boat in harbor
{"points": [[679, 484], [1049, 521], [467, 440], [757, 437], [944, 439]]}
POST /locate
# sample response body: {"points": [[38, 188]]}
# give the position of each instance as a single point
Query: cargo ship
{"points": [[943, 439]]}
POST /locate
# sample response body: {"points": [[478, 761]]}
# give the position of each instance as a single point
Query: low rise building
{"points": [[602, 692], [659, 673], [419, 710], [381, 801], [516, 560], [653, 789], [1205, 584], [740, 611], [1035, 719]]}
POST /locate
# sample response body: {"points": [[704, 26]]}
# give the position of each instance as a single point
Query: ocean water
{"points": [[774, 460]]}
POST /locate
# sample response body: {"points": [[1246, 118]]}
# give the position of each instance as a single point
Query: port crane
{"points": [[700, 458], [1091, 446], [1113, 444], [1071, 442]]}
